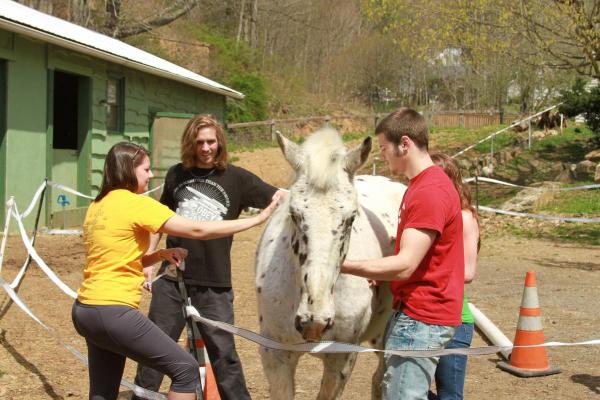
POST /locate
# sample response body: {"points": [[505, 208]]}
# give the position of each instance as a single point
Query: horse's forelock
{"points": [[324, 154]]}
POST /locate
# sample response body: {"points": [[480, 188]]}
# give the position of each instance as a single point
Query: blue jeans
{"points": [[451, 370], [409, 378]]}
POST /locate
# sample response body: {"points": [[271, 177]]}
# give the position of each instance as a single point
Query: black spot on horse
{"points": [[260, 318], [305, 277], [302, 258], [304, 239], [310, 300], [334, 232], [295, 246], [259, 289]]}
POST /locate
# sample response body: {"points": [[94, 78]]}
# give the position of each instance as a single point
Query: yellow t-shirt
{"points": [[116, 235]]}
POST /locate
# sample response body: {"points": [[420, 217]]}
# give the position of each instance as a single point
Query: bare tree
{"points": [[119, 28], [111, 18], [566, 30]]}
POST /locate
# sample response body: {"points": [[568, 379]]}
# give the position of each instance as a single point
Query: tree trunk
{"points": [[241, 22], [253, 19]]}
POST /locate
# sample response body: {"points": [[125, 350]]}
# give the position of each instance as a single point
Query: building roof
{"points": [[29, 22]]}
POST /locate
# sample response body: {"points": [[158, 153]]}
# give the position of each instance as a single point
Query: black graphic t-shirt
{"points": [[211, 195]]}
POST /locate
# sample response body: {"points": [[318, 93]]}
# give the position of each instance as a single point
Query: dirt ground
{"points": [[34, 365]]}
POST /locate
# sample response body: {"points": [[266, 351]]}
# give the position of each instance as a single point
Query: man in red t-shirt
{"points": [[427, 270]]}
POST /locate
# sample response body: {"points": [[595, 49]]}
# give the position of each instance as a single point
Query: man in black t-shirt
{"points": [[203, 187]]}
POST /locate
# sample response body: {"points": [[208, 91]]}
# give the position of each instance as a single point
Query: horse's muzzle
{"points": [[312, 328]]}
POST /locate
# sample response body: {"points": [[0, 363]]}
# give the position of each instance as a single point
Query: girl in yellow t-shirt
{"points": [[116, 235]]}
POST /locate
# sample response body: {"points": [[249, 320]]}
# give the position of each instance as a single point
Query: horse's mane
{"points": [[324, 153]]}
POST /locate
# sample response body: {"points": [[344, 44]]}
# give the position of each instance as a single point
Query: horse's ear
{"points": [[357, 156], [290, 150]]}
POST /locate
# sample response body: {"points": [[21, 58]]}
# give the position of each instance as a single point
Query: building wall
{"points": [[25, 120], [28, 136]]}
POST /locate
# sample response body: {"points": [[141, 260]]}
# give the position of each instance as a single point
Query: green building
{"points": [[67, 94]]}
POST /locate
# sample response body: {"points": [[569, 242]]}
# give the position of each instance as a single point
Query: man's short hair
{"points": [[405, 122]]}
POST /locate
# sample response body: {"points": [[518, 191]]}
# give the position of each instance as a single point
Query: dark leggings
{"points": [[113, 333]]}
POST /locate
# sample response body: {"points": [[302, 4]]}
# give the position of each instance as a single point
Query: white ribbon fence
{"points": [[530, 215]]}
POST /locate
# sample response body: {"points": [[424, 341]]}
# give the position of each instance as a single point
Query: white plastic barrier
{"points": [[491, 331]]}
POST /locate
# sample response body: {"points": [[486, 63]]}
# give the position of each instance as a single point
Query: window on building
{"points": [[114, 104]]}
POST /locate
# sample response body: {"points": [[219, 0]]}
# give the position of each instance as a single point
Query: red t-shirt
{"points": [[434, 292]]}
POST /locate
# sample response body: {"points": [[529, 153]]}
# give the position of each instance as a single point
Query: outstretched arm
{"points": [[204, 230], [414, 245]]}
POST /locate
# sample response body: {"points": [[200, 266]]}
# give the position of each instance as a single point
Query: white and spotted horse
{"points": [[329, 214]]}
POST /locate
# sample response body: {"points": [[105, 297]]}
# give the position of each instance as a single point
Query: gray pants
{"points": [[113, 333], [213, 303]]}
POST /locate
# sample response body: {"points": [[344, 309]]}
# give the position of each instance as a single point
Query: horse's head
{"points": [[322, 207]]}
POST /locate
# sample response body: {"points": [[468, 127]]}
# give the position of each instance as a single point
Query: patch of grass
{"points": [[455, 139], [351, 136], [580, 234], [505, 139], [568, 146], [246, 142], [235, 147], [580, 202], [588, 234], [492, 195]]}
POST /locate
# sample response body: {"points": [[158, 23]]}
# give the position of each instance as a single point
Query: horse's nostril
{"points": [[298, 324]]}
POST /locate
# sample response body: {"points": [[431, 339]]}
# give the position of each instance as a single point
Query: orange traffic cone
{"points": [[527, 362], [207, 376], [210, 390]]}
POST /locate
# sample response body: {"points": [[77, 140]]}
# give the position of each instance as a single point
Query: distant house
{"points": [[67, 94]]}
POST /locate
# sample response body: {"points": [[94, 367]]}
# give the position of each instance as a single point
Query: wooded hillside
{"points": [[294, 57]]}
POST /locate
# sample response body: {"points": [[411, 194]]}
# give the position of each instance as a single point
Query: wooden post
{"points": [[529, 129], [272, 130], [476, 193]]}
